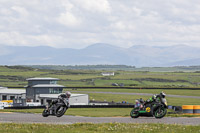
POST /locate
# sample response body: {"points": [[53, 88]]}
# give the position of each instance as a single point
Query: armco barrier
{"points": [[74, 106], [187, 109], [196, 109], [191, 109], [25, 107], [175, 108], [102, 106]]}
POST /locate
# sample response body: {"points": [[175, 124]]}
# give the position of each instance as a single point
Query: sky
{"points": [[80, 23]]}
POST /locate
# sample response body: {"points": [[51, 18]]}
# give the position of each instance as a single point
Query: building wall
{"points": [[42, 90], [33, 93], [29, 93], [16, 96], [79, 100], [108, 73]]}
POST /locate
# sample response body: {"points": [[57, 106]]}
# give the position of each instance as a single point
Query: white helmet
{"points": [[163, 94], [68, 94], [154, 97]]}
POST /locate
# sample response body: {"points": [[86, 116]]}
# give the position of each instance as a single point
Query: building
{"points": [[108, 73], [38, 86], [44, 90], [11, 94], [40, 90], [17, 96]]}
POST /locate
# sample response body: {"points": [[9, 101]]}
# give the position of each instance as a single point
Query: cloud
{"points": [[68, 19], [79, 23], [94, 6]]}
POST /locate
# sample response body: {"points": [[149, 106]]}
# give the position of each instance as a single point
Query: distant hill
{"points": [[138, 55]]}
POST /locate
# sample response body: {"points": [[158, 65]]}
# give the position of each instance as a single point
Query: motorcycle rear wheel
{"points": [[60, 111], [160, 112], [134, 113]]}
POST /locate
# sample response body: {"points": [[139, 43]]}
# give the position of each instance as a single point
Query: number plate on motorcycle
{"points": [[148, 109]]}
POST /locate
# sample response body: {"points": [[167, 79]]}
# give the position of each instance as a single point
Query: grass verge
{"points": [[98, 128]]}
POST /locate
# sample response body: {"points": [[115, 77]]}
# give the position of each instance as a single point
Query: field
{"points": [[152, 91], [101, 128], [15, 76]]}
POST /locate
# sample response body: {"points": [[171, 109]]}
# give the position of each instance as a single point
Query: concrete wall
{"points": [[79, 100]]}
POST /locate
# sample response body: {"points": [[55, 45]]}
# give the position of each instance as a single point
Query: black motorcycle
{"points": [[57, 107], [156, 107]]}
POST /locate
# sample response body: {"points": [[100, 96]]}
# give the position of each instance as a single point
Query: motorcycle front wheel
{"points": [[60, 111], [160, 112], [134, 113], [45, 113]]}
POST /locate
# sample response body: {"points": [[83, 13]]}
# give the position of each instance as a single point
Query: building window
{"points": [[55, 90], [4, 97], [53, 82], [12, 97], [50, 90]]}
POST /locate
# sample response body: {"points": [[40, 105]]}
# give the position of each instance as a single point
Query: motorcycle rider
{"points": [[151, 99], [156, 97], [65, 95], [160, 96]]}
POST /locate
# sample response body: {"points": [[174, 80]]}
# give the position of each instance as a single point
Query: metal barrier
{"points": [[191, 109], [196, 109], [175, 108]]}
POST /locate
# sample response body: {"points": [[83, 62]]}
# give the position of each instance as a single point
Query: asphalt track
{"points": [[141, 94], [37, 118]]}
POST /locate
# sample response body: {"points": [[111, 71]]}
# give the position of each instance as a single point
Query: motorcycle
{"points": [[156, 108], [58, 107]]}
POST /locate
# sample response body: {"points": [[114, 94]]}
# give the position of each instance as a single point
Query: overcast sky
{"points": [[79, 23]]}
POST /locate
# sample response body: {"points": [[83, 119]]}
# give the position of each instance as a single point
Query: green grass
{"points": [[98, 128], [152, 91], [131, 99], [16, 76], [89, 112]]}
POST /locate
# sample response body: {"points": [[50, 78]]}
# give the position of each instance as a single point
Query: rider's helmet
{"points": [[154, 97], [162, 94], [137, 101], [68, 94]]}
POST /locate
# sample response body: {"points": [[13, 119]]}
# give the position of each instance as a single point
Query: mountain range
{"points": [[137, 55]]}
